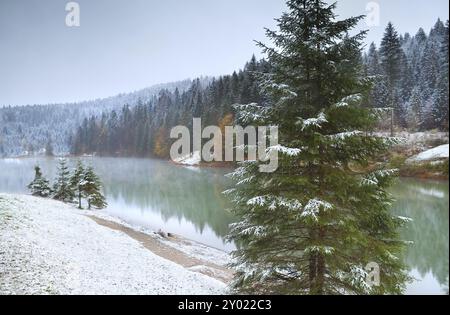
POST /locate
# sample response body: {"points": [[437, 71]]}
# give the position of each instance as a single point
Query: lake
{"points": [[188, 201]]}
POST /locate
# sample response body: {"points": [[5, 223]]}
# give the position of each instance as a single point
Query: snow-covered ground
{"points": [[440, 152], [47, 247]]}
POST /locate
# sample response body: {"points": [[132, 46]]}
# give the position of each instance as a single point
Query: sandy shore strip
{"points": [[163, 249]]}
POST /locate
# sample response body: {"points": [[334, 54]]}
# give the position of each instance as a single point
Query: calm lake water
{"points": [[189, 201]]}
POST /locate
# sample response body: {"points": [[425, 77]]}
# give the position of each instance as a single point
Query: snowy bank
{"points": [[437, 153], [191, 159], [47, 247]]}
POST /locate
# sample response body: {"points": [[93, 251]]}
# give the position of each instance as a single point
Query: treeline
{"points": [[411, 75], [31, 129], [144, 129]]}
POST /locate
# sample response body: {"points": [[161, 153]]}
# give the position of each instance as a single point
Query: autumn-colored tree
{"points": [[226, 120], [161, 147]]}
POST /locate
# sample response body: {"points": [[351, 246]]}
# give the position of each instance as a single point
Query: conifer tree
{"points": [[61, 189], [313, 225], [40, 185], [444, 51], [379, 95], [406, 84], [392, 60], [429, 69], [414, 113], [373, 61], [77, 183], [391, 54], [92, 189], [440, 106], [440, 109]]}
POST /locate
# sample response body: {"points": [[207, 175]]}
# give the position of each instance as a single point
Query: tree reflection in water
{"points": [[426, 202]]}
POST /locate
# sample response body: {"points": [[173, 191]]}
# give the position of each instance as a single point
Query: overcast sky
{"points": [[125, 45]]}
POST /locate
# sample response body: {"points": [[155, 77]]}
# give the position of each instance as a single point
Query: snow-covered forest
{"points": [[143, 130], [28, 130], [410, 74]]}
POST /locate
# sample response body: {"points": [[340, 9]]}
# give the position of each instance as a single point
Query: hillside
{"points": [[27, 130]]}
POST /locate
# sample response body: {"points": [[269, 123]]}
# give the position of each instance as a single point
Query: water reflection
{"points": [[150, 193], [175, 192], [426, 202]]}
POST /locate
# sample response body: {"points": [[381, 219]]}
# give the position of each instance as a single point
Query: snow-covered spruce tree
{"points": [[379, 95], [313, 225], [440, 106], [441, 97], [392, 61], [414, 114], [40, 185], [92, 189], [61, 188], [77, 183]]}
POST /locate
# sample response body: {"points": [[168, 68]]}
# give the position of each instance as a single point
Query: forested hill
{"points": [[28, 130], [412, 72], [144, 130]]}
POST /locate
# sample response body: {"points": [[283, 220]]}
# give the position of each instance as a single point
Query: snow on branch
{"points": [[246, 180], [390, 256], [386, 173], [313, 207], [390, 141], [313, 122], [357, 277], [349, 100], [267, 84], [238, 173], [249, 113], [246, 228], [239, 225], [314, 249], [345, 135], [259, 272], [373, 178], [283, 150], [404, 219], [369, 181], [257, 230], [275, 202], [229, 191], [257, 201]]}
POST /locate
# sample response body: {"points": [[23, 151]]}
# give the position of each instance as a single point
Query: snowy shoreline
{"points": [[48, 247]]}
